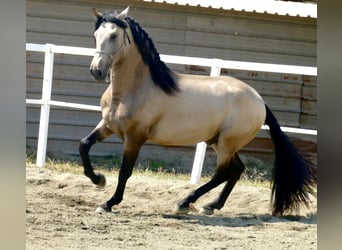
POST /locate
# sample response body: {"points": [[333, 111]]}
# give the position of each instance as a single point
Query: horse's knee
{"points": [[84, 146]]}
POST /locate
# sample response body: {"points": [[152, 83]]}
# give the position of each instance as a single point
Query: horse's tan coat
{"points": [[204, 108], [146, 102]]}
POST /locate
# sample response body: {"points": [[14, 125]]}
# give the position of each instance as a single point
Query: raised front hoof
{"points": [[101, 181], [103, 209], [206, 211], [178, 210]]}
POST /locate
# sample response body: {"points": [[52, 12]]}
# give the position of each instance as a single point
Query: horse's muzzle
{"points": [[98, 74]]}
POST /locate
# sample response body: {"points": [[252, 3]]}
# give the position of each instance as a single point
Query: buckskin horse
{"points": [[146, 101]]}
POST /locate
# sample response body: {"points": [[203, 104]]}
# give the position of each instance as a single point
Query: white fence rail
{"points": [[215, 64]]}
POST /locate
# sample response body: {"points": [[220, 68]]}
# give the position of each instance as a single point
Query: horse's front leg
{"points": [[131, 151], [98, 134]]}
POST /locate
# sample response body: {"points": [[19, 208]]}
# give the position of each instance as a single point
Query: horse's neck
{"points": [[129, 74]]}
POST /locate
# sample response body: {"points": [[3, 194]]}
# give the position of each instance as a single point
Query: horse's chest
{"points": [[117, 117]]}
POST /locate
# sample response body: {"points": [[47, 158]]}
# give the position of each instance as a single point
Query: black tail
{"points": [[293, 175]]}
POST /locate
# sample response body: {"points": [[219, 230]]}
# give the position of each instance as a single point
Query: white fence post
{"points": [[201, 147], [45, 106]]}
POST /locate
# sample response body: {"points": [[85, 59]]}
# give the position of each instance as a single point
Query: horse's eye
{"points": [[112, 36]]}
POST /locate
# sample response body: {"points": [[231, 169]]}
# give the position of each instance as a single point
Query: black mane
{"points": [[161, 74]]}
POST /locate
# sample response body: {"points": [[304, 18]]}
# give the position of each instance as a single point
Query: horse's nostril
{"points": [[95, 72]]}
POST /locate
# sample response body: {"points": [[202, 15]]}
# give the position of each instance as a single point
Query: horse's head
{"points": [[110, 38]]}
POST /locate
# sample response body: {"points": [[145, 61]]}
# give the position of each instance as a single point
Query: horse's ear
{"points": [[96, 14], [123, 14]]}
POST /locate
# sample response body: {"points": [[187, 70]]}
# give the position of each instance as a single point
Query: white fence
{"points": [[215, 64]]}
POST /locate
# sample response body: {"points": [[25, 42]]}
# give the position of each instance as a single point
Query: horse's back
{"points": [[241, 108]]}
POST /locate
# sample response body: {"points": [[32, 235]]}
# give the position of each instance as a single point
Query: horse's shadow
{"points": [[241, 220]]}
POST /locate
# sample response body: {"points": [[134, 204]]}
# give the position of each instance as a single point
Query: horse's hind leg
{"points": [[184, 205], [234, 171], [98, 134], [221, 175]]}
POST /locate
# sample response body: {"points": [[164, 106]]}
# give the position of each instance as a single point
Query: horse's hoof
{"points": [[181, 210], [102, 181], [103, 209], [100, 210], [206, 211]]}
